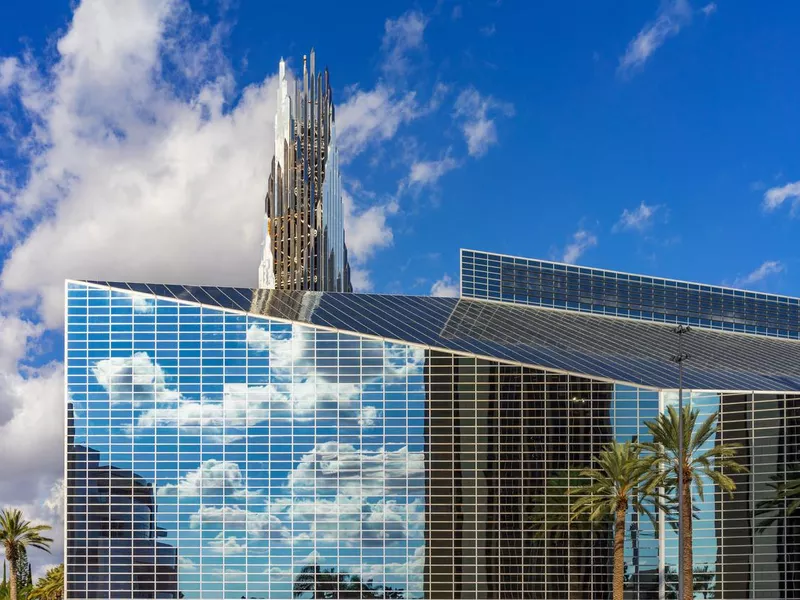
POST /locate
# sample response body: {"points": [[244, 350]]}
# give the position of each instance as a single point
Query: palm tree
{"points": [[49, 587], [611, 488], [698, 462], [17, 535]]}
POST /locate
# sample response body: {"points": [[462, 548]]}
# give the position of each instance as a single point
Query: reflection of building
{"points": [[112, 538], [429, 444], [304, 246]]}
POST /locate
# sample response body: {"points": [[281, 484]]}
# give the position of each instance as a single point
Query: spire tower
{"points": [[303, 244]]}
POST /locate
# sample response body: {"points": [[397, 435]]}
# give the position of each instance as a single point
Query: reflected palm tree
{"points": [[324, 583], [552, 528], [784, 499], [704, 583]]}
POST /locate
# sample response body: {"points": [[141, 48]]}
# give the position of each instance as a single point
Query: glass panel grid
{"points": [[215, 455], [220, 455], [541, 283]]}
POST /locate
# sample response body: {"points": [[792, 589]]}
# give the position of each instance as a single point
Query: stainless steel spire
{"points": [[304, 246]]}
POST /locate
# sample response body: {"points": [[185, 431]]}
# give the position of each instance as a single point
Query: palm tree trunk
{"points": [[619, 553], [688, 558], [12, 580]]}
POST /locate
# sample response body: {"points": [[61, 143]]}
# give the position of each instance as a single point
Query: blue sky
{"points": [[644, 136], [699, 130]]}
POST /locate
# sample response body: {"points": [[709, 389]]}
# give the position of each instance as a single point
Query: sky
{"points": [[642, 136]]}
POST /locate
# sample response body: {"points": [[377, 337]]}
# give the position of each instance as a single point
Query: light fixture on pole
{"points": [[680, 358]]}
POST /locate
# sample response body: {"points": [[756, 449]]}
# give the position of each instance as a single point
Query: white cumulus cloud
{"points": [[372, 116]]}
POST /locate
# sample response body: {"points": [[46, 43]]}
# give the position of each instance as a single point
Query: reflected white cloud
{"points": [[256, 524], [213, 478], [227, 546], [334, 467], [135, 379]]}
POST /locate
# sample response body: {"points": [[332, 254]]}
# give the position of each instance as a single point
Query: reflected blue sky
{"points": [[271, 446]]}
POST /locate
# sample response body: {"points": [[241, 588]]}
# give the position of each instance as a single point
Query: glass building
{"points": [[237, 443]]}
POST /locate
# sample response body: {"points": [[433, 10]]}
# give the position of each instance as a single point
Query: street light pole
{"points": [[680, 358]]}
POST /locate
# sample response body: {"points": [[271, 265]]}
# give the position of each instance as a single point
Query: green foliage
{"points": [[617, 481], [49, 587], [698, 461], [16, 536], [23, 569]]}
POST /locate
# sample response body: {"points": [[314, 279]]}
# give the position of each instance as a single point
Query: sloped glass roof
{"points": [[624, 350]]}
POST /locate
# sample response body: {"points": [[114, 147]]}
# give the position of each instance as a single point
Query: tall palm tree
{"points": [[49, 587], [615, 484], [17, 535], [698, 461]]}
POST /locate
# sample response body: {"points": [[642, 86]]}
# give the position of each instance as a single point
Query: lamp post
{"points": [[680, 358]]}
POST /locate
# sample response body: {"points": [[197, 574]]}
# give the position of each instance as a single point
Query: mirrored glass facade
{"points": [[231, 443]]}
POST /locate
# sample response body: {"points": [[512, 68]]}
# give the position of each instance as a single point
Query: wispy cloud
{"points": [[775, 197], [428, 172], [402, 36], [582, 240], [488, 30], [8, 73], [368, 117], [709, 9], [671, 18], [770, 267], [638, 219], [477, 114], [445, 288]]}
